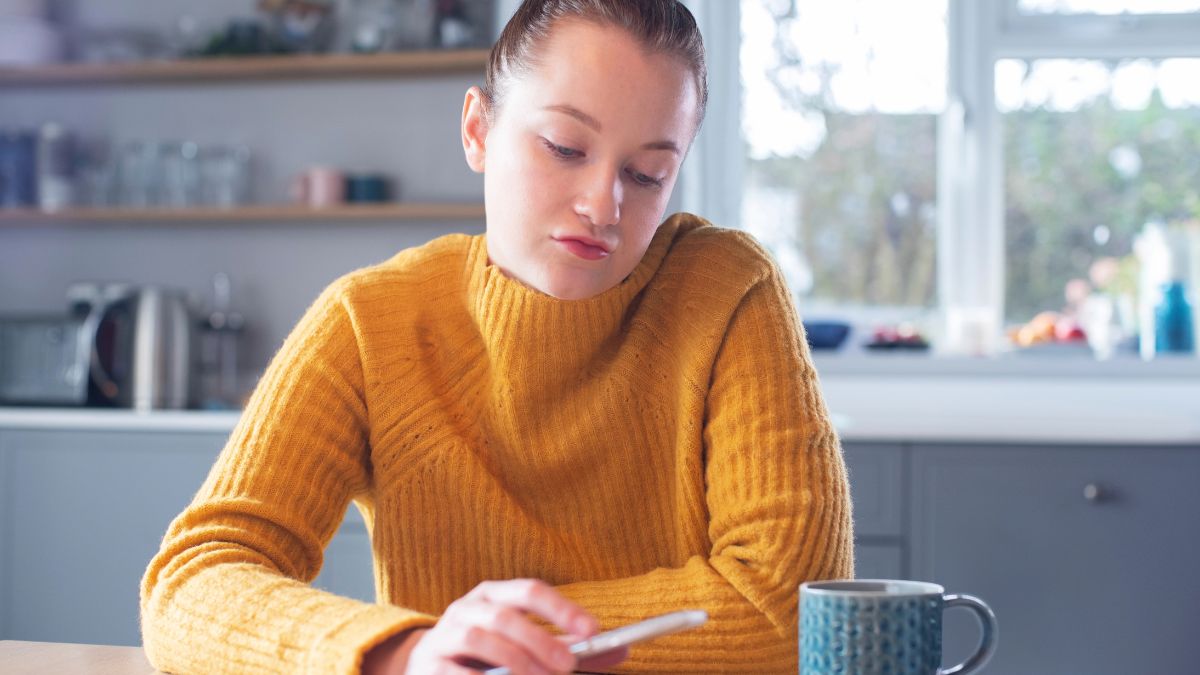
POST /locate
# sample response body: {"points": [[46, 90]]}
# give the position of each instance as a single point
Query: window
{"points": [[963, 161], [839, 117], [1093, 150]]}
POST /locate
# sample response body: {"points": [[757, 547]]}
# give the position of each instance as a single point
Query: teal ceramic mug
{"points": [[876, 626]]}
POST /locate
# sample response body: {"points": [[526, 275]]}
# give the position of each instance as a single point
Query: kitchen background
{"points": [[934, 177], [403, 127]]}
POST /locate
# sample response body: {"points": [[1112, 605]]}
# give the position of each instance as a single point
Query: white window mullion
{"points": [[970, 186], [710, 179]]}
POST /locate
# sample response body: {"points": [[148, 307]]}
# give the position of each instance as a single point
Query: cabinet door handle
{"points": [[1093, 492]]}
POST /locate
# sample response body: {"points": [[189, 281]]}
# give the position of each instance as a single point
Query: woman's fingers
{"points": [[479, 615], [492, 624], [538, 597], [483, 646], [470, 649]]}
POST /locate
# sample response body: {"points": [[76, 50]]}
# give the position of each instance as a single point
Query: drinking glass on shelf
{"points": [[180, 174], [137, 174], [225, 175], [97, 176], [414, 26], [372, 25], [188, 36]]}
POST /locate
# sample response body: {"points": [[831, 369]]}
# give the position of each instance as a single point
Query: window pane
{"points": [[839, 108], [1107, 6], [1093, 151]]}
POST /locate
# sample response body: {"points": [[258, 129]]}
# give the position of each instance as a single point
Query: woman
{"points": [[583, 418]]}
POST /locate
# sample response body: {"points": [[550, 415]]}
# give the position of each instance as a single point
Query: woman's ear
{"points": [[475, 128]]}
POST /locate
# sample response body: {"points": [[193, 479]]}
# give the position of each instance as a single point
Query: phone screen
{"points": [[657, 626]]}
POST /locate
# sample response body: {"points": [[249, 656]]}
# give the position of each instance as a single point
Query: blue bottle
{"points": [[1173, 321], [18, 183]]}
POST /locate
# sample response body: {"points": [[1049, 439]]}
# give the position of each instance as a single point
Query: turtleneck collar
{"points": [[522, 327]]}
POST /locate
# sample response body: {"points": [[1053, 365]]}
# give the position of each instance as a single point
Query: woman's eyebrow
{"points": [[595, 125], [576, 113]]}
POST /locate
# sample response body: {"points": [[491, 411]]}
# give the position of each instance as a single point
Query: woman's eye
{"points": [[562, 151], [644, 180]]}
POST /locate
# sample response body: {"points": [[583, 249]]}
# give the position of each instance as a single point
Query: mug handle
{"points": [[987, 639]]}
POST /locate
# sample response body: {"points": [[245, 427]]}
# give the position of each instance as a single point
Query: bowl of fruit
{"points": [[1050, 333], [898, 337]]}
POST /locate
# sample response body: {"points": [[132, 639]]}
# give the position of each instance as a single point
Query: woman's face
{"points": [[580, 158]]}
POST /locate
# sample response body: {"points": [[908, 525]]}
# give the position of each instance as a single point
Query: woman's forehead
{"points": [[604, 72]]}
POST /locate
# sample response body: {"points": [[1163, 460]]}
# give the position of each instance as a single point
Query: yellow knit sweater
{"points": [[660, 446]]}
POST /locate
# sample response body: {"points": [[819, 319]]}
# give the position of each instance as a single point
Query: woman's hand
{"points": [[489, 625]]}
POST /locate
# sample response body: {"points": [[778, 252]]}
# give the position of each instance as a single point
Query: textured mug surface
{"points": [[873, 627]]}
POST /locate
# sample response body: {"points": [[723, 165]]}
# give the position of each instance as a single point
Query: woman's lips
{"points": [[583, 249]]}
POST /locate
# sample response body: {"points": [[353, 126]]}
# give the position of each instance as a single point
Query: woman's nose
{"points": [[600, 199]]}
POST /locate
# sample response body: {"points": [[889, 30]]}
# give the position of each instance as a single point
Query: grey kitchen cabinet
{"points": [[1088, 555], [876, 490], [878, 561], [81, 514], [348, 568]]}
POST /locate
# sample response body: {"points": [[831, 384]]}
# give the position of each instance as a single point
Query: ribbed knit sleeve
{"points": [[778, 503], [228, 591]]}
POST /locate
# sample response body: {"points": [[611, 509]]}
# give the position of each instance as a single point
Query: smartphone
{"points": [[657, 626]]}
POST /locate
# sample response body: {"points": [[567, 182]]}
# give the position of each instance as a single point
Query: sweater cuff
{"points": [[342, 649]]}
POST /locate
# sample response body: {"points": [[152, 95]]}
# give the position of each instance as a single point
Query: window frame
{"points": [[971, 228], [1095, 36], [970, 182], [714, 161]]}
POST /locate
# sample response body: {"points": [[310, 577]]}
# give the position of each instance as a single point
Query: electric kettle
{"points": [[141, 342], [163, 345]]}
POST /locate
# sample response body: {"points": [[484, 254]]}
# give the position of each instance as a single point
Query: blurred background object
{"points": [[123, 44], [220, 332], [904, 336], [304, 26], [18, 181], [373, 26], [454, 28], [56, 161], [26, 35], [826, 335]]}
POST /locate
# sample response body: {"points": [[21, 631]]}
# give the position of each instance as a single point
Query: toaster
{"points": [[43, 360]]}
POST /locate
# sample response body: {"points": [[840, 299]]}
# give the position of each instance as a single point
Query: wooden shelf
{"points": [[301, 66], [262, 213]]}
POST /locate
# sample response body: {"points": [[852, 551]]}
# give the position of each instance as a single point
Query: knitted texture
{"points": [[660, 446]]}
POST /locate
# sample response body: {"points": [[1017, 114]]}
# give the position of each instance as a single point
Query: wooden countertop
{"points": [[28, 658]]}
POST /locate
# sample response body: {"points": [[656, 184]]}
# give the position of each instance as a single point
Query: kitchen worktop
{"points": [[1016, 409], [865, 408], [106, 419], [56, 657]]}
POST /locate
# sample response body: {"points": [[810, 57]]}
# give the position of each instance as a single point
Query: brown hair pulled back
{"points": [[660, 25]]}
